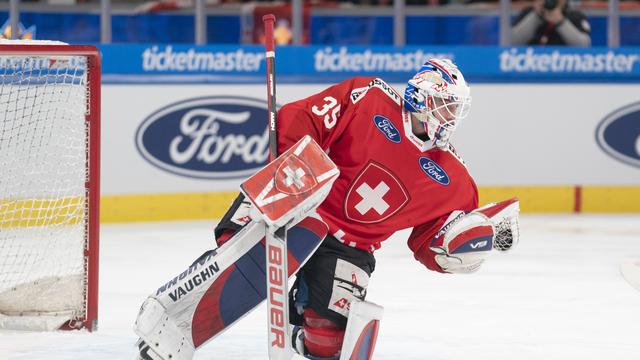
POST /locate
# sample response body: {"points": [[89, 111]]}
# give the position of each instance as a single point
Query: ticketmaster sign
{"points": [[322, 64], [517, 60]]}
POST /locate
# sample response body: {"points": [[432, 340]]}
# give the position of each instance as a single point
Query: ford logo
{"points": [[208, 137], [434, 171], [387, 128], [618, 134]]}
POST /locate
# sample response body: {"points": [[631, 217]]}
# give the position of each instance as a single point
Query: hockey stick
{"points": [[276, 239]]}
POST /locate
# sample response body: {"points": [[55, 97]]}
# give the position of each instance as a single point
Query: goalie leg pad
{"points": [[243, 285], [362, 331], [168, 341], [224, 285], [324, 339]]}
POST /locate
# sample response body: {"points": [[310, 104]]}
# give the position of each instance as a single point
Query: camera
{"points": [[550, 4]]}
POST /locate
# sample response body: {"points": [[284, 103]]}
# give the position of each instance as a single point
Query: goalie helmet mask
{"points": [[439, 97]]}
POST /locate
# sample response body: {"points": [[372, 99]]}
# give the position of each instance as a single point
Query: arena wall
{"points": [[560, 128]]}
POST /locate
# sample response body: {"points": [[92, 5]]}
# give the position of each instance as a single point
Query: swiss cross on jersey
{"points": [[374, 195], [294, 183]]}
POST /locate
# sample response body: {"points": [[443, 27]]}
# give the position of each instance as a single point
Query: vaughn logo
{"points": [[387, 128], [618, 134], [434, 171], [209, 137]]}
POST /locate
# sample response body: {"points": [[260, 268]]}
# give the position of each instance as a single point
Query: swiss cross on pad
{"points": [[294, 176]]}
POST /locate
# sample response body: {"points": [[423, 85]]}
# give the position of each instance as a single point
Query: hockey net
{"points": [[49, 192]]}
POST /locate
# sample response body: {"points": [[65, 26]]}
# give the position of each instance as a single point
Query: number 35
{"points": [[329, 104]]}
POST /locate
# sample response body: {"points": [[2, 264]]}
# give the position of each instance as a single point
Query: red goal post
{"points": [[49, 187]]}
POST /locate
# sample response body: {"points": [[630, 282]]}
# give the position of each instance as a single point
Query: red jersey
{"points": [[388, 179]]}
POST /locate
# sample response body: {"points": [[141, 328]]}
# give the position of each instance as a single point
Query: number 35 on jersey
{"points": [[328, 111]]}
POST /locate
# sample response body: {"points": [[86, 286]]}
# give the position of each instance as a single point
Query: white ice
{"points": [[559, 295]]}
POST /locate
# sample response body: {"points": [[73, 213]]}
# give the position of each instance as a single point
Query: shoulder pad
{"points": [[359, 93]]}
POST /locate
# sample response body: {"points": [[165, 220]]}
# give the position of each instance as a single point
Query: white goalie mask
{"points": [[440, 98]]}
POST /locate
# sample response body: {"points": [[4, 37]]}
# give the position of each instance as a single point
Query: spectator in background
{"points": [[551, 22]]}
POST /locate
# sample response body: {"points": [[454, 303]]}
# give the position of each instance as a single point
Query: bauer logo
{"points": [[618, 134], [434, 171], [387, 128], [208, 137]]}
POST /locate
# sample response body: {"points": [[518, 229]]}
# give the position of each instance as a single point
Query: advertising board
{"points": [[542, 122]]}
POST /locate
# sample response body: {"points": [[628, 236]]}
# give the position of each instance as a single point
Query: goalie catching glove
{"points": [[467, 239]]}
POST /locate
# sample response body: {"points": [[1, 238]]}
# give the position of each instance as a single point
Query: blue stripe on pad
{"points": [[237, 297], [246, 287]]}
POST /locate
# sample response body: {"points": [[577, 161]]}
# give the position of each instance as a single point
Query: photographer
{"points": [[551, 22]]}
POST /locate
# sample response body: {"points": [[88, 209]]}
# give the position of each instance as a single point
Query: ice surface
{"points": [[559, 295]]}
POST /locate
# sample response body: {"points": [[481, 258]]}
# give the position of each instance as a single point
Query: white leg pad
{"points": [[164, 337], [362, 331]]}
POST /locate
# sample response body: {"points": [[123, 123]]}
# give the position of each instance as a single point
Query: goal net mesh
{"points": [[43, 157]]}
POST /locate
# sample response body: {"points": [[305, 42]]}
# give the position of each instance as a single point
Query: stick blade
{"points": [[631, 272]]}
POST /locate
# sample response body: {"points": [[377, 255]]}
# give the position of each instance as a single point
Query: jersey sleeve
{"points": [[421, 236], [320, 115]]}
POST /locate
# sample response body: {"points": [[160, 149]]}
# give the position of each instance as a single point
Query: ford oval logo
{"points": [[618, 134], [387, 128], [434, 171], [208, 137]]}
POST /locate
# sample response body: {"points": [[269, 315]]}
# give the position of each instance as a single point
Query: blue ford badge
{"points": [[387, 128], [618, 134], [208, 137], [434, 171]]}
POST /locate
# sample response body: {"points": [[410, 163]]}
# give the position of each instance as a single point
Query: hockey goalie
{"points": [[397, 170]]}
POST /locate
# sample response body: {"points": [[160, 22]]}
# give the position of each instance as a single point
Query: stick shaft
{"points": [[276, 240], [269, 21]]}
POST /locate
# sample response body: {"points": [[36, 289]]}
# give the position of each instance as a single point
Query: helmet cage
{"points": [[438, 102]]}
